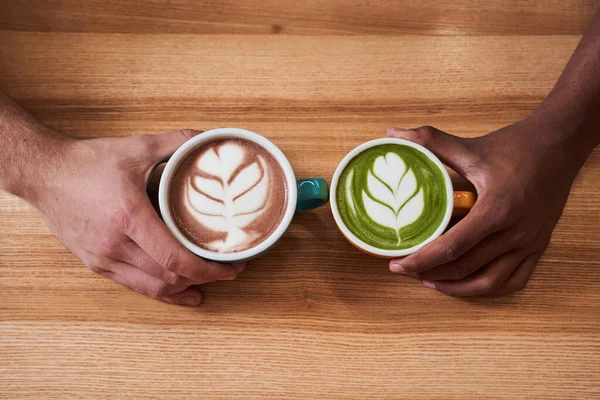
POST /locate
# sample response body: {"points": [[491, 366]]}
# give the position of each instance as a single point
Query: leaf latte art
{"points": [[392, 196], [228, 195]]}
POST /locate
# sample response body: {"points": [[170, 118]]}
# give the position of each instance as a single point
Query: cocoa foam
{"points": [[228, 195]]}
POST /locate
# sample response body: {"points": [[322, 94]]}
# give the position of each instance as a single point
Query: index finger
{"points": [[146, 229], [461, 238]]}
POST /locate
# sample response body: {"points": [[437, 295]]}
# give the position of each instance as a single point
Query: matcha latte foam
{"points": [[392, 196]]}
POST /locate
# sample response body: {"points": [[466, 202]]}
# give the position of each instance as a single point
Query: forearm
{"points": [[29, 151], [573, 105]]}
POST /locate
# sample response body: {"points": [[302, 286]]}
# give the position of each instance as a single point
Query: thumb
{"points": [[164, 145], [451, 150]]}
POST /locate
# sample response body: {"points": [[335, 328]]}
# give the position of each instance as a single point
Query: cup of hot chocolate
{"points": [[229, 194]]}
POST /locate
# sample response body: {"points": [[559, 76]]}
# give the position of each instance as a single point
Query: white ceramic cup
{"points": [[312, 196], [465, 199]]}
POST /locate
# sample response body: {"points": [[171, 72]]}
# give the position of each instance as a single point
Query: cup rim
{"points": [[194, 142], [370, 248]]}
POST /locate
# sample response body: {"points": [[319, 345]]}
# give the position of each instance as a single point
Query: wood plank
{"points": [[234, 78], [293, 364], [389, 17]]}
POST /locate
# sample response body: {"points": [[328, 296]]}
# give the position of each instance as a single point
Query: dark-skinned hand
{"points": [[522, 176]]}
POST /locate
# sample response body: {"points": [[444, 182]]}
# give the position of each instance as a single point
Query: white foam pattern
{"points": [[229, 193], [392, 199]]}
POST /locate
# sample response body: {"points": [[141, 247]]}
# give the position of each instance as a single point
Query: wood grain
{"points": [[312, 17], [313, 318]]}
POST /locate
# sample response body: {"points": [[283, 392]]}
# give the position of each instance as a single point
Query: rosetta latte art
{"points": [[392, 196], [229, 193]]}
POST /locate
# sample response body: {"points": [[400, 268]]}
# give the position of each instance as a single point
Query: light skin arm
{"points": [[523, 174], [92, 194], [28, 149]]}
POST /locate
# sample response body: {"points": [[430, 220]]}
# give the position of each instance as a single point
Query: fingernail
{"points": [[190, 300], [394, 131], [229, 277], [395, 267], [429, 284]]}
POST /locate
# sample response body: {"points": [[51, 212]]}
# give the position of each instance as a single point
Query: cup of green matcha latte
{"points": [[390, 197]]}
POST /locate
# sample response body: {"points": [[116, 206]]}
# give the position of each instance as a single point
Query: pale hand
{"points": [[96, 204]]}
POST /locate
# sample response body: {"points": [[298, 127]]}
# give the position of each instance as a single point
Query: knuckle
{"points": [[144, 144], [519, 286], [427, 130], [426, 134], [110, 247], [151, 267], [450, 292], [414, 267], [170, 261], [174, 279], [158, 291], [122, 217], [145, 265], [95, 268], [489, 283], [231, 276], [462, 271], [163, 290], [518, 238], [204, 277], [450, 252], [187, 133], [152, 293]]}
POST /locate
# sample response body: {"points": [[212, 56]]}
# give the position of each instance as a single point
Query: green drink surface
{"points": [[392, 196]]}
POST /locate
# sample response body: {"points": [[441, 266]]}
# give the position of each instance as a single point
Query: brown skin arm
{"points": [[92, 194], [523, 174]]}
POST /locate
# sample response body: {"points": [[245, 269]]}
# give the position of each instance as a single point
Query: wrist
{"points": [[571, 133], [40, 166]]}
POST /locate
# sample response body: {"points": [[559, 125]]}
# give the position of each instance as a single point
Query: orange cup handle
{"points": [[463, 202]]}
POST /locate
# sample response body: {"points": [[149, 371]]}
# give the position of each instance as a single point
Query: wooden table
{"points": [[314, 318]]}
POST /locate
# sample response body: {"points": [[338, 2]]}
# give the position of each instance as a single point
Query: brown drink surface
{"points": [[228, 195]]}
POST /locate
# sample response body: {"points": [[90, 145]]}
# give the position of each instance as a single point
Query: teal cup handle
{"points": [[312, 193]]}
